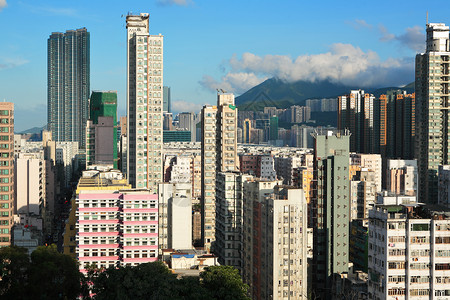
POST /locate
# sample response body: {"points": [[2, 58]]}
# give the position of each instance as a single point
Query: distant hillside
{"points": [[33, 130], [409, 88], [282, 94]]}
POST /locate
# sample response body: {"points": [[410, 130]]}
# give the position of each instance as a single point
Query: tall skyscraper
{"points": [[359, 113], [331, 208], [68, 85], [247, 131], [166, 99], [6, 172], [273, 135], [397, 124], [144, 104], [101, 138], [189, 121], [219, 154], [432, 110]]}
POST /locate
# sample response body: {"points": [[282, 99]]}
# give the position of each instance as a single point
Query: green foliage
{"points": [[14, 263], [49, 274], [156, 281], [52, 275], [224, 282], [145, 281], [62, 278]]}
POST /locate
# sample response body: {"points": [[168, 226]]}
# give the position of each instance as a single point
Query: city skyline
{"points": [[252, 44]]}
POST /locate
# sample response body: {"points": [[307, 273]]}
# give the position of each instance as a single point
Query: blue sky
{"points": [[210, 44]]}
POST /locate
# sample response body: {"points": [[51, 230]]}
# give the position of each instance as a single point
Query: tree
{"points": [[189, 287], [14, 264], [53, 275], [145, 281], [224, 283]]}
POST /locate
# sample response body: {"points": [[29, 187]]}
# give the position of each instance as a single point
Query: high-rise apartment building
{"points": [[444, 185], [30, 182], [432, 109], [274, 242], [363, 193], [409, 254], [101, 131], [166, 99], [219, 154], [144, 104], [229, 209], [68, 85], [401, 176], [253, 195], [371, 162], [247, 132], [397, 124], [167, 121], [6, 172], [188, 121], [331, 209], [273, 131], [359, 113]]}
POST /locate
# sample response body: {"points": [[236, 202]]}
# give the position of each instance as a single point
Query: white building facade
{"points": [[409, 253]]}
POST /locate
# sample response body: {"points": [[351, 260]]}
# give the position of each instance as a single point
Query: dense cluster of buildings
{"points": [[357, 212]]}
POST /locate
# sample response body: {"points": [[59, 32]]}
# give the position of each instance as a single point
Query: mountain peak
{"points": [[282, 94]]}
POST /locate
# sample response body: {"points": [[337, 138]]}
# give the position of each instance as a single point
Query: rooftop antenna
{"points": [[427, 17]]}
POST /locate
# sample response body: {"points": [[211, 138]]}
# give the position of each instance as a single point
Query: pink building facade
{"points": [[116, 228]]}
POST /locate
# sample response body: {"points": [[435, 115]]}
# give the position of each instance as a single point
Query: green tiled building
{"points": [[101, 139]]}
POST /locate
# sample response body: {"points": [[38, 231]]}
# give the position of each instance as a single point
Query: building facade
{"points": [[219, 154], [432, 114], [30, 184], [401, 176], [144, 104], [6, 172], [68, 85], [229, 209], [331, 209], [101, 130], [409, 254], [397, 124], [274, 241], [166, 99], [115, 226], [175, 216], [359, 113], [188, 121]]}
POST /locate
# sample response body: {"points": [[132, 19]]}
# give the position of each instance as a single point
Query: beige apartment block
{"points": [[144, 104], [6, 172]]}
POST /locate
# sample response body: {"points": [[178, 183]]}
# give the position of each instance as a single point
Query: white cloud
{"points": [[344, 63], [8, 63], [413, 38], [3, 4], [184, 106], [233, 82], [359, 24], [174, 2]]}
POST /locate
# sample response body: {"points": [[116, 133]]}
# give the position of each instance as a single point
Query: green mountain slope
{"points": [[282, 94]]}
